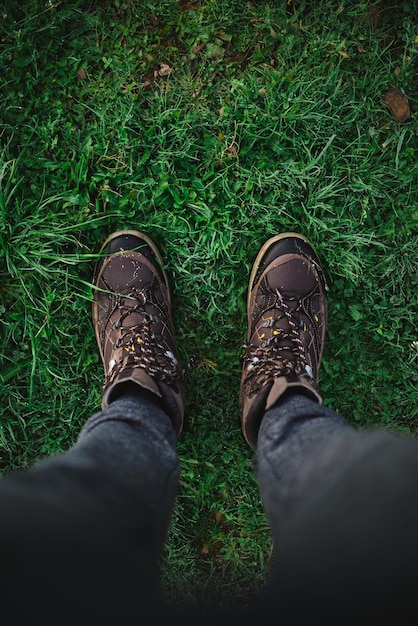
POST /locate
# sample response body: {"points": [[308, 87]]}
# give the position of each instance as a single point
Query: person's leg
{"points": [[343, 509], [82, 533], [89, 525], [342, 504], [298, 439]]}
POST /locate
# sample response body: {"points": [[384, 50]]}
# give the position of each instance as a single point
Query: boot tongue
{"points": [[295, 271]]}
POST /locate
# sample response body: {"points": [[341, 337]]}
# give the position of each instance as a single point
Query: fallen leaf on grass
{"points": [[198, 48], [187, 6], [232, 150], [81, 73], [164, 70], [397, 103], [374, 16]]}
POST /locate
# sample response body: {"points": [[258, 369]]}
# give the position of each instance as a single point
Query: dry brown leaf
{"points": [[187, 6], [198, 48], [165, 70], [81, 73], [397, 103], [374, 16], [204, 550], [232, 150]]}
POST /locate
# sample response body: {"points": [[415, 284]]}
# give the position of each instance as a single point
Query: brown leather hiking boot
{"points": [[287, 316], [133, 324]]}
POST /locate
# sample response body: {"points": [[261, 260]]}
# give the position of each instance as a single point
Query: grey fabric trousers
{"points": [[82, 533]]}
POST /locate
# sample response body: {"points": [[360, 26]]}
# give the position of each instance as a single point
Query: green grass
{"points": [[270, 120]]}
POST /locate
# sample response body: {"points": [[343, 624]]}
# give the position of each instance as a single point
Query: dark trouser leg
{"points": [[343, 508], [82, 533]]}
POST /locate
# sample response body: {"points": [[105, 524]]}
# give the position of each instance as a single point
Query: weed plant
{"points": [[210, 126]]}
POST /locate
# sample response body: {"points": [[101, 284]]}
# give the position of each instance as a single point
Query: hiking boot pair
{"points": [[287, 314]]}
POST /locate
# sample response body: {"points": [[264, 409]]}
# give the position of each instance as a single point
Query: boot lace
{"points": [[142, 348], [266, 361]]}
